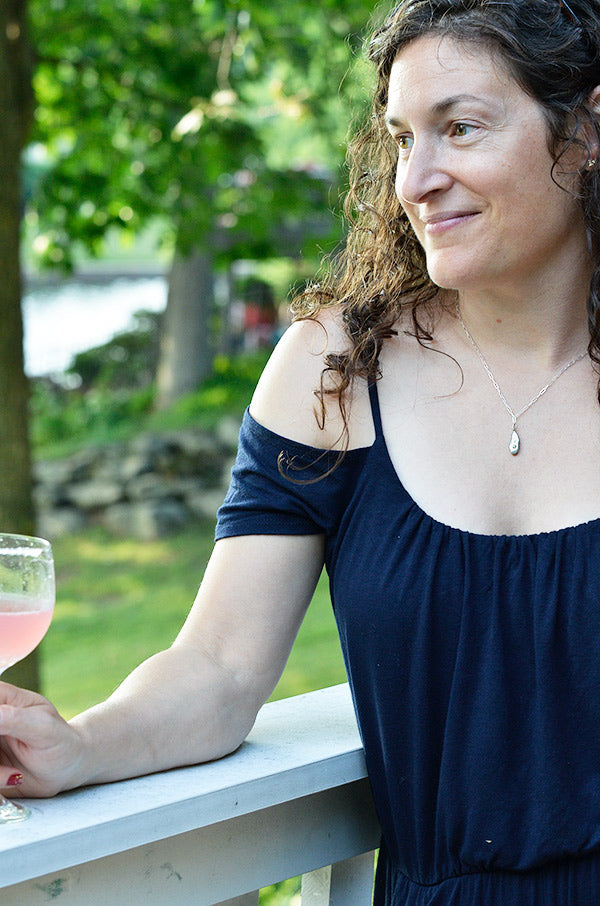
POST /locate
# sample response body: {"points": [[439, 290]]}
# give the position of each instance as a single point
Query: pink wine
{"points": [[21, 630]]}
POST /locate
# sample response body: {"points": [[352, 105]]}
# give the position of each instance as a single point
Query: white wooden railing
{"points": [[293, 800]]}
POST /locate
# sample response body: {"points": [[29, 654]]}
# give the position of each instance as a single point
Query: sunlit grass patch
{"points": [[119, 601]]}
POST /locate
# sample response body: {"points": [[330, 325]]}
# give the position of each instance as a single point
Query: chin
{"points": [[454, 275], [448, 279]]}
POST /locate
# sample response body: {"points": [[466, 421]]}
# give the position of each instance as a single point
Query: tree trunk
{"points": [[185, 351], [226, 336], [16, 107]]}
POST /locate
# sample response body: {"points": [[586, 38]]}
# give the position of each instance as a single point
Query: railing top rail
{"points": [[298, 746]]}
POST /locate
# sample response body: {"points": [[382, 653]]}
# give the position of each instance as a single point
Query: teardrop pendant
{"points": [[515, 443]]}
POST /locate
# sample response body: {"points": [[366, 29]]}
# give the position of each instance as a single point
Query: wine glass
{"points": [[26, 606]]}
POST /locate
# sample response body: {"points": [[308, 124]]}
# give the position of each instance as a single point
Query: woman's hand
{"points": [[35, 744]]}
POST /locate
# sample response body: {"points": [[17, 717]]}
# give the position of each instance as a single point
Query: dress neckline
{"points": [[444, 526], [380, 444]]}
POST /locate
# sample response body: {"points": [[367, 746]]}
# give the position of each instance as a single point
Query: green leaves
{"points": [[227, 119]]}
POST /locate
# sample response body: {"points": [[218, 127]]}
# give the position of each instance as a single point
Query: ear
{"points": [[594, 99], [591, 134]]}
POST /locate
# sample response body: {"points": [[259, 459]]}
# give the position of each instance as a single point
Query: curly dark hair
{"points": [[552, 49]]}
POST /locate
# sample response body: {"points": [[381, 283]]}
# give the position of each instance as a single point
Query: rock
{"points": [[148, 445], [62, 521], [152, 487], [192, 454], [83, 463], [48, 496], [134, 464], [144, 488], [95, 494], [197, 444], [206, 503], [227, 432], [52, 472], [119, 519], [147, 520], [228, 465], [159, 451]]}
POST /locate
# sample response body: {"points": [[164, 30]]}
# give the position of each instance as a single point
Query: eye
{"points": [[462, 130], [404, 142]]}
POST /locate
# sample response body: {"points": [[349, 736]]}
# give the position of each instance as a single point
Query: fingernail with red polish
{"points": [[14, 780]]}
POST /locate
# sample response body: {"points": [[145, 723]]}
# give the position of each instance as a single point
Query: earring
{"points": [[591, 163]]}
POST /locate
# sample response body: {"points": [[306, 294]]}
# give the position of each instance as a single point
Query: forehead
{"points": [[436, 67]]}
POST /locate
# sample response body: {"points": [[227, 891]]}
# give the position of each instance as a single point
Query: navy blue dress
{"points": [[474, 663]]}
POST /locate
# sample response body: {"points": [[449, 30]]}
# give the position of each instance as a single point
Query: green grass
{"points": [[119, 601]]}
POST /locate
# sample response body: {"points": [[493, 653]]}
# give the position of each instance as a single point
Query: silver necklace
{"points": [[515, 441]]}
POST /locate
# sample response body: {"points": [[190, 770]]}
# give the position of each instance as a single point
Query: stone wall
{"points": [[145, 488]]}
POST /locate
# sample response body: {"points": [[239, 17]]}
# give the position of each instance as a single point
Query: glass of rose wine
{"points": [[26, 607]]}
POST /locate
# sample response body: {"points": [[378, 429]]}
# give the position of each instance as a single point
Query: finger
{"points": [[10, 778], [13, 695], [33, 726]]}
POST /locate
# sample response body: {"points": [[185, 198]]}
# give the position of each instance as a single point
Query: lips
{"points": [[435, 224]]}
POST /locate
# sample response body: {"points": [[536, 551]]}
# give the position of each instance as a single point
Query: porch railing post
{"points": [[350, 881], [315, 887]]}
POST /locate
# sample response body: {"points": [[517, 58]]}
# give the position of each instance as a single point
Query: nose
{"points": [[421, 173]]}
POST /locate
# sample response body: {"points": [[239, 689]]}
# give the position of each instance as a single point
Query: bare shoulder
{"points": [[285, 401]]}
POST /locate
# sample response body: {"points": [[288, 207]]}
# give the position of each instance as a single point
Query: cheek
{"points": [[536, 199]]}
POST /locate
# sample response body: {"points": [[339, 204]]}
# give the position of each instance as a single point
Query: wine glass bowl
{"points": [[27, 592]]}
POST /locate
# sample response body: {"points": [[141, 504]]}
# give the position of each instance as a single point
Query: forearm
{"points": [[195, 701], [178, 707]]}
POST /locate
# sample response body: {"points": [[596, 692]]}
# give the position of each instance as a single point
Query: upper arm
{"points": [[257, 587], [250, 605]]}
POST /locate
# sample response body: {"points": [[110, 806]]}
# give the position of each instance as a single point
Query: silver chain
{"points": [[540, 393]]}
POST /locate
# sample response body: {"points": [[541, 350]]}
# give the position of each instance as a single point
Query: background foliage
{"points": [[224, 119]]}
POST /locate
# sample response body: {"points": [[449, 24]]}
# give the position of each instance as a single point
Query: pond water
{"points": [[63, 319]]}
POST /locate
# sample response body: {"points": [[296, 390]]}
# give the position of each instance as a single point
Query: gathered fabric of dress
{"points": [[474, 664]]}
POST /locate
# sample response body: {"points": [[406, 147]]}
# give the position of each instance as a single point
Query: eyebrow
{"points": [[441, 107]]}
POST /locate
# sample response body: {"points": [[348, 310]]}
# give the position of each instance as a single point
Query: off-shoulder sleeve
{"points": [[273, 490]]}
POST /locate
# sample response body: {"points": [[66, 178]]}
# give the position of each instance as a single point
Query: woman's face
{"points": [[474, 169]]}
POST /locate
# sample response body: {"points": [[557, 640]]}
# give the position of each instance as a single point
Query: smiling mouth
{"points": [[441, 223]]}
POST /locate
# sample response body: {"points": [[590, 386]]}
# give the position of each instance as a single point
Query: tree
{"points": [[172, 108], [16, 110], [185, 355]]}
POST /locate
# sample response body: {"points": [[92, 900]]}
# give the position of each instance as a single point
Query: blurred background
{"points": [[170, 171]]}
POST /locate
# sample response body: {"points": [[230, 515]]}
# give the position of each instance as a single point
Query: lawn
{"points": [[119, 601]]}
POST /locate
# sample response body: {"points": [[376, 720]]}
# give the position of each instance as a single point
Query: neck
{"points": [[542, 316], [545, 331]]}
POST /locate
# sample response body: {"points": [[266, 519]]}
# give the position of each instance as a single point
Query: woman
{"points": [[460, 523]]}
